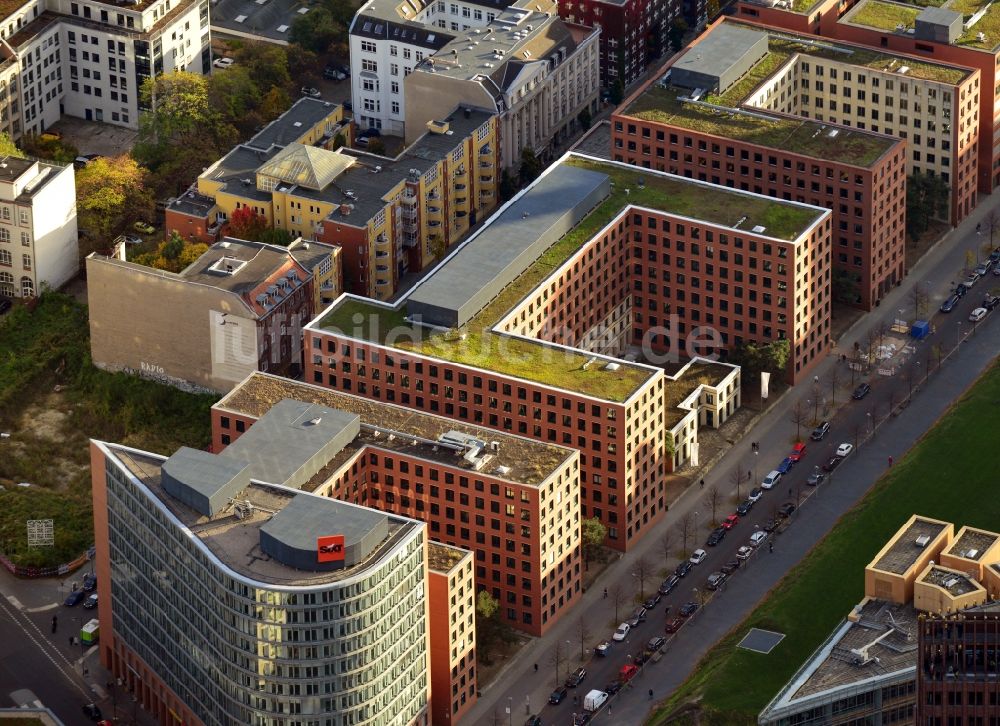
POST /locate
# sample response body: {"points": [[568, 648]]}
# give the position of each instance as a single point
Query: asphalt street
{"points": [[866, 421]]}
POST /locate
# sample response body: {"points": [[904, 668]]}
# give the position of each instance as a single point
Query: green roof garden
{"points": [[885, 15], [477, 345]]}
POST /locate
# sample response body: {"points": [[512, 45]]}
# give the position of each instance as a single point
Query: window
{"points": [[4, 235], [6, 259], [369, 65], [369, 47], [25, 239], [26, 262]]}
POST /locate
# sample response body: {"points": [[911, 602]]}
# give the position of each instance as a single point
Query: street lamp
{"points": [[871, 422], [509, 709], [959, 343]]}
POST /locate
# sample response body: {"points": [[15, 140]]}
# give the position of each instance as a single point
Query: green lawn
{"points": [[52, 400], [885, 16], [734, 685]]}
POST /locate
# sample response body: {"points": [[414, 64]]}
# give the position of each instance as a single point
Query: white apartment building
{"points": [[89, 59], [37, 226]]}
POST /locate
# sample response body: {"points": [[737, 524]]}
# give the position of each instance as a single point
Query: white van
{"points": [[594, 700]]}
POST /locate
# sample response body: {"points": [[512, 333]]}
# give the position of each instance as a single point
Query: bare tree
{"points": [[686, 524], [918, 298], [936, 350], [714, 500], [618, 595], [992, 222], [890, 399], [799, 416], [737, 476], [667, 545], [556, 658], [583, 633], [883, 330], [857, 428], [643, 571], [871, 343], [834, 379], [907, 376]]}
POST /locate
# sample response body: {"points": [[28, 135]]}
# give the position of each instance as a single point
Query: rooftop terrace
{"points": [[527, 461], [887, 16], [442, 558], [904, 550], [478, 346], [236, 540]]}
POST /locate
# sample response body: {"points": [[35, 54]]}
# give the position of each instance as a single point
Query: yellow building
{"points": [[391, 216]]}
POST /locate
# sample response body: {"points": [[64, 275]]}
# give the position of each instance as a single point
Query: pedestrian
{"points": [[71, 641], [536, 668], [789, 491], [86, 671], [55, 623], [890, 461], [702, 483], [770, 546], [609, 709], [650, 694], [605, 593]]}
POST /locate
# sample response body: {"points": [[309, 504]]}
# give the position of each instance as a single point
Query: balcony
{"points": [[381, 241], [408, 199], [486, 165], [411, 240], [485, 149], [433, 223], [460, 187], [433, 196], [381, 254], [434, 210]]}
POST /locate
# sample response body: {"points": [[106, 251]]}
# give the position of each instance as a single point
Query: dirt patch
{"points": [[44, 448]]}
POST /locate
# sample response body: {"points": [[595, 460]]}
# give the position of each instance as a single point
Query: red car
{"points": [[674, 624], [627, 673], [797, 452], [730, 521]]}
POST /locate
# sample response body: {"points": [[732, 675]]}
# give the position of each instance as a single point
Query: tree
{"points": [[277, 237], [714, 500], [643, 571], [618, 596], [676, 34], [667, 545], [486, 632], [713, 9], [583, 634], [50, 147], [799, 415], [908, 376], [918, 298], [508, 186], [686, 524], [617, 92], [275, 102], [111, 193], [173, 254], [531, 166], [245, 223], [755, 357], [376, 146], [584, 118], [736, 477], [235, 93], [846, 287], [8, 147], [992, 223], [592, 533], [834, 380], [316, 30], [267, 64], [556, 658], [926, 199]]}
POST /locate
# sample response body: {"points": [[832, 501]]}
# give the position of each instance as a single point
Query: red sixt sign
{"points": [[330, 548]]}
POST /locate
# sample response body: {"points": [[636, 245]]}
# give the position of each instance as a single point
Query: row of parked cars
{"points": [[990, 265]]}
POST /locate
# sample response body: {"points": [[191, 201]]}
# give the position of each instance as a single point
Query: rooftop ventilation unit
{"points": [[950, 583], [590, 362], [971, 554], [612, 367], [922, 541], [349, 193], [759, 229], [315, 421], [503, 470]]}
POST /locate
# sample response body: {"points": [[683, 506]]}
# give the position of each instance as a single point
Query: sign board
{"points": [[330, 548], [40, 533], [765, 378]]}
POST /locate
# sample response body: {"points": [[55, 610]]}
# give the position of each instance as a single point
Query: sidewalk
{"points": [[935, 271]]}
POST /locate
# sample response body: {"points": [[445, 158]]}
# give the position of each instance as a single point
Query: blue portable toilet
{"points": [[921, 329]]}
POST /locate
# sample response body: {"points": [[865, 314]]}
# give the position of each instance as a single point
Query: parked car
{"points": [[786, 509], [223, 62], [310, 92], [730, 567], [754, 495], [991, 301], [948, 305], [715, 580], [731, 521], [744, 552], [718, 534], [557, 696], [816, 478], [960, 290], [688, 609], [971, 280], [669, 584], [582, 718], [332, 73], [844, 450], [683, 568], [622, 632], [861, 391], [131, 239], [983, 267], [533, 720], [772, 524], [673, 625], [89, 581], [655, 643], [91, 602], [744, 507], [832, 463], [976, 315], [757, 537], [602, 649], [627, 672], [74, 598], [786, 465], [820, 431], [575, 678], [698, 556], [770, 480], [798, 451], [652, 600], [143, 227], [638, 617], [613, 688], [92, 712]]}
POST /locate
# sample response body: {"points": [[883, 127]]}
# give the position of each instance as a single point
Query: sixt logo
{"points": [[330, 548]]}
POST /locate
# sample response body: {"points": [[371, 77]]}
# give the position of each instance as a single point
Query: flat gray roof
{"points": [[938, 16], [306, 113], [723, 48], [292, 441], [203, 481], [476, 273]]}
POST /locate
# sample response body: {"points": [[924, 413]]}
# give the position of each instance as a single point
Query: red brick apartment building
{"points": [[930, 34], [624, 258], [516, 504], [633, 33], [800, 121]]}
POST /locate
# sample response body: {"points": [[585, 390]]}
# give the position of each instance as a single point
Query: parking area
{"points": [[91, 137]]}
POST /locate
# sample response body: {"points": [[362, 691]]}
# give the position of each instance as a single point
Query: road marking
{"points": [[41, 609], [91, 650], [15, 602], [46, 648]]}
